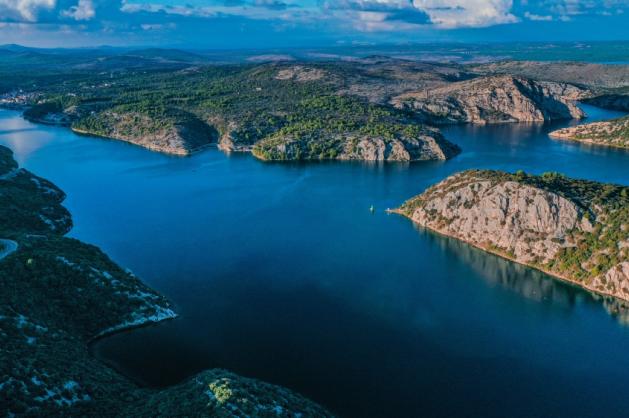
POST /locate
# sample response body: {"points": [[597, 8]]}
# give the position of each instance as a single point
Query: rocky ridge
{"points": [[591, 75], [573, 229], [494, 99]]}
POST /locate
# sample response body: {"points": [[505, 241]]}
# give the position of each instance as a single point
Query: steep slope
{"points": [[171, 131], [57, 294], [493, 99], [617, 99], [343, 128], [612, 133], [576, 230]]}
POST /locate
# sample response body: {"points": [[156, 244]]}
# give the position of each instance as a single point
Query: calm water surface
{"points": [[280, 272]]}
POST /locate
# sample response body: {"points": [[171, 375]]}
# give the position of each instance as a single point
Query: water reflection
{"points": [[527, 282]]}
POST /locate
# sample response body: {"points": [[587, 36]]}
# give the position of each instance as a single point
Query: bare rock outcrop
{"points": [[561, 226], [494, 99], [407, 149], [300, 73], [612, 133]]}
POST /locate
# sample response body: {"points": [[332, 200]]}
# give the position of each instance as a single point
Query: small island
{"points": [[575, 230], [60, 294], [611, 133]]}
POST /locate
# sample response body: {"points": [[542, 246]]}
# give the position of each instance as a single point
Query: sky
{"points": [[232, 24]]}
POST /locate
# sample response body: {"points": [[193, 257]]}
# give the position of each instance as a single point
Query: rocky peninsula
{"points": [[611, 133], [575, 230], [59, 294]]}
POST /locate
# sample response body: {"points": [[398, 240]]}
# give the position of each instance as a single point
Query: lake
{"points": [[281, 272]]}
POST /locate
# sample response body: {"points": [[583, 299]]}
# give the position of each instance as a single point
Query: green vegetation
{"points": [[616, 130], [612, 133], [29, 204], [251, 106], [324, 126], [58, 294]]}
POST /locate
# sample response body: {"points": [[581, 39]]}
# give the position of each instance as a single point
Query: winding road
{"points": [[7, 247]]}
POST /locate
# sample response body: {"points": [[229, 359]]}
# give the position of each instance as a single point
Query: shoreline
{"points": [[182, 154], [8, 247], [586, 141], [554, 275], [45, 122], [93, 343], [121, 328]]}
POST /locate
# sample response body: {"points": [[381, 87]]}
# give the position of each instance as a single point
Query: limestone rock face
{"points": [[494, 99], [616, 280], [229, 142], [559, 225], [408, 149], [527, 222]]}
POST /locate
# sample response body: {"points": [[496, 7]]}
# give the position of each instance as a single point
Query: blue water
{"points": [[280, 272]]}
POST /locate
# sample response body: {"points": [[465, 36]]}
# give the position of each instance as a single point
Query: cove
{"points": [[281, 272]]}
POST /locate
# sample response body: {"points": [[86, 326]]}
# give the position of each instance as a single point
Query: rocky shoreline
{"points": [[173, 151], [612, 133], [59, 295], [560, 226]]}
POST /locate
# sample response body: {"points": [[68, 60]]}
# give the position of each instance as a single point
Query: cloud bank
{"points": [[179, 20]]}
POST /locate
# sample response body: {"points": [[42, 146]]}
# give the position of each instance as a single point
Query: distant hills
{"points": [[598, 52]]}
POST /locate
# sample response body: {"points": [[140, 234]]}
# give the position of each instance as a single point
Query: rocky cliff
{"points": [[178, 133], [493, 99], [425, 144], [57, 294], [612, 133], [573, 229]]}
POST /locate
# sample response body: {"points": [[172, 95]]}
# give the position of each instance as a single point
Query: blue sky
{"points": [[281, 23]]}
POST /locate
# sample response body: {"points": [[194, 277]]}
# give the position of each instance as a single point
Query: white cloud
{"points": [[532, 16], [377, 22], [451, 14], [24, 9], [84, 10], [265, 10], [157, 26]]}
